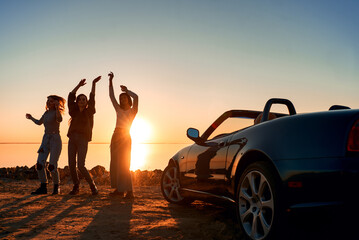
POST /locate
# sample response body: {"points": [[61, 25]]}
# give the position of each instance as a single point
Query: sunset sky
{"points": [[188, 61]]}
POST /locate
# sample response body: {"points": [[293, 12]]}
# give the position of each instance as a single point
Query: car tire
{"points": [[258, 207], [170, 185]]}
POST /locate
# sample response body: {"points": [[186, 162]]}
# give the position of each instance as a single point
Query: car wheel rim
{"points": [[256, 205], [171, 185]]}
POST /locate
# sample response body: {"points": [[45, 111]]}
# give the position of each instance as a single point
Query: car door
{"points": [[206, 165]]}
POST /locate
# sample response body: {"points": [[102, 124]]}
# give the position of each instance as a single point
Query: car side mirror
{"points": [[193, 134]]}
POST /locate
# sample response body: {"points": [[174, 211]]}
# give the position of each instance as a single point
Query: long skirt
{"points": [[120, 160]]}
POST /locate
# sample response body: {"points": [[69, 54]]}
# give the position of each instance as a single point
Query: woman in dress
{"points": [[121, 140]]}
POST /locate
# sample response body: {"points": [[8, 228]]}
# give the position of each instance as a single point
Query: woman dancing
{"points": [[80, 133], [51, 143], [121, 140]]}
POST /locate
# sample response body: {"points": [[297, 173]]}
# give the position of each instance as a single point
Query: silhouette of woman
{"points": [[51, 142], [121, 140], [80, 133]]}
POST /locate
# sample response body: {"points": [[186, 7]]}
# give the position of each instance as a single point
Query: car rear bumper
{"points": [[320, 182]]}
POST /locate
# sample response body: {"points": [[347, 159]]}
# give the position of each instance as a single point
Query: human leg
{"points": [[72, 151], [55, 151], [114, 171], [114, 153], [129, 190], [123, 159], [82, 152], [41, 171], [41, 166]]}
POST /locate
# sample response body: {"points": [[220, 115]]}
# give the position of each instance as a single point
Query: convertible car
{"points": [[269, 163]]}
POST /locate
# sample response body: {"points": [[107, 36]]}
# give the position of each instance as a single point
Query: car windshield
{"points": [[231, 125]]}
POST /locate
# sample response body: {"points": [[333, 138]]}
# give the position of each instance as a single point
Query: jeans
{"points": [[51, 144], [77, 145]]}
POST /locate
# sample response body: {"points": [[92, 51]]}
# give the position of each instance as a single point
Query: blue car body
{"points": [[308, 153]]}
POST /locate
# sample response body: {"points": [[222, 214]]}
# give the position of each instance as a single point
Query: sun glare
{"points": [[139, 154], [140, 131]]}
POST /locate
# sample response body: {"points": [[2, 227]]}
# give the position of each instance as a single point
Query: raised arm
{"points": [[91, 101], [135, 100], [80, 84], [93, 89], [72, 97], [111, 92], [133, 96]]}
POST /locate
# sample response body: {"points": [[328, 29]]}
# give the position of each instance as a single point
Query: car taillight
{"points": [[353, 140]]}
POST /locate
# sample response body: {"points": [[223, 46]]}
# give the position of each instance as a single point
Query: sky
{"points": [[188, 61]]}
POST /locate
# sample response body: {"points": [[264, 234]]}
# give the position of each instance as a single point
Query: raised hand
{"points": [[96, 79], [82, 82], [124, 88], [28, 116], [110, 75]]}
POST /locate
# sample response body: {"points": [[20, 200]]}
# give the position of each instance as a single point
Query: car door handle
{"points": [[222, 144]]}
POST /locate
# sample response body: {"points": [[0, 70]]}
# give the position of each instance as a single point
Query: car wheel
{"points": [[170, 185], [257, 203]]}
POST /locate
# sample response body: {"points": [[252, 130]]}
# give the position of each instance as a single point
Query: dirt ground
{"points": [[148, 216]]}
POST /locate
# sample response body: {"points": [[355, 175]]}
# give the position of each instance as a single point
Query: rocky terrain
{"points": [[99, 174]]}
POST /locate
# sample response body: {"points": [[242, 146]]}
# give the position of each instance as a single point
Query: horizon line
{"points": [[96, 143]]}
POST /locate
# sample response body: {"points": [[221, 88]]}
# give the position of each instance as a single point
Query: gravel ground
{"points": [[148, 216]]}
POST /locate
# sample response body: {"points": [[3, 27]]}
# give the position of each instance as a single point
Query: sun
{"points": [[139, 154], [140, 131]]}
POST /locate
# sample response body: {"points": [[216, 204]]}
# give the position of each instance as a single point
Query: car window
{"points": [[229, 126]]}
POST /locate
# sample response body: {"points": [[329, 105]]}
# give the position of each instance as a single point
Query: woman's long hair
{"points": [[61, 101]]}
